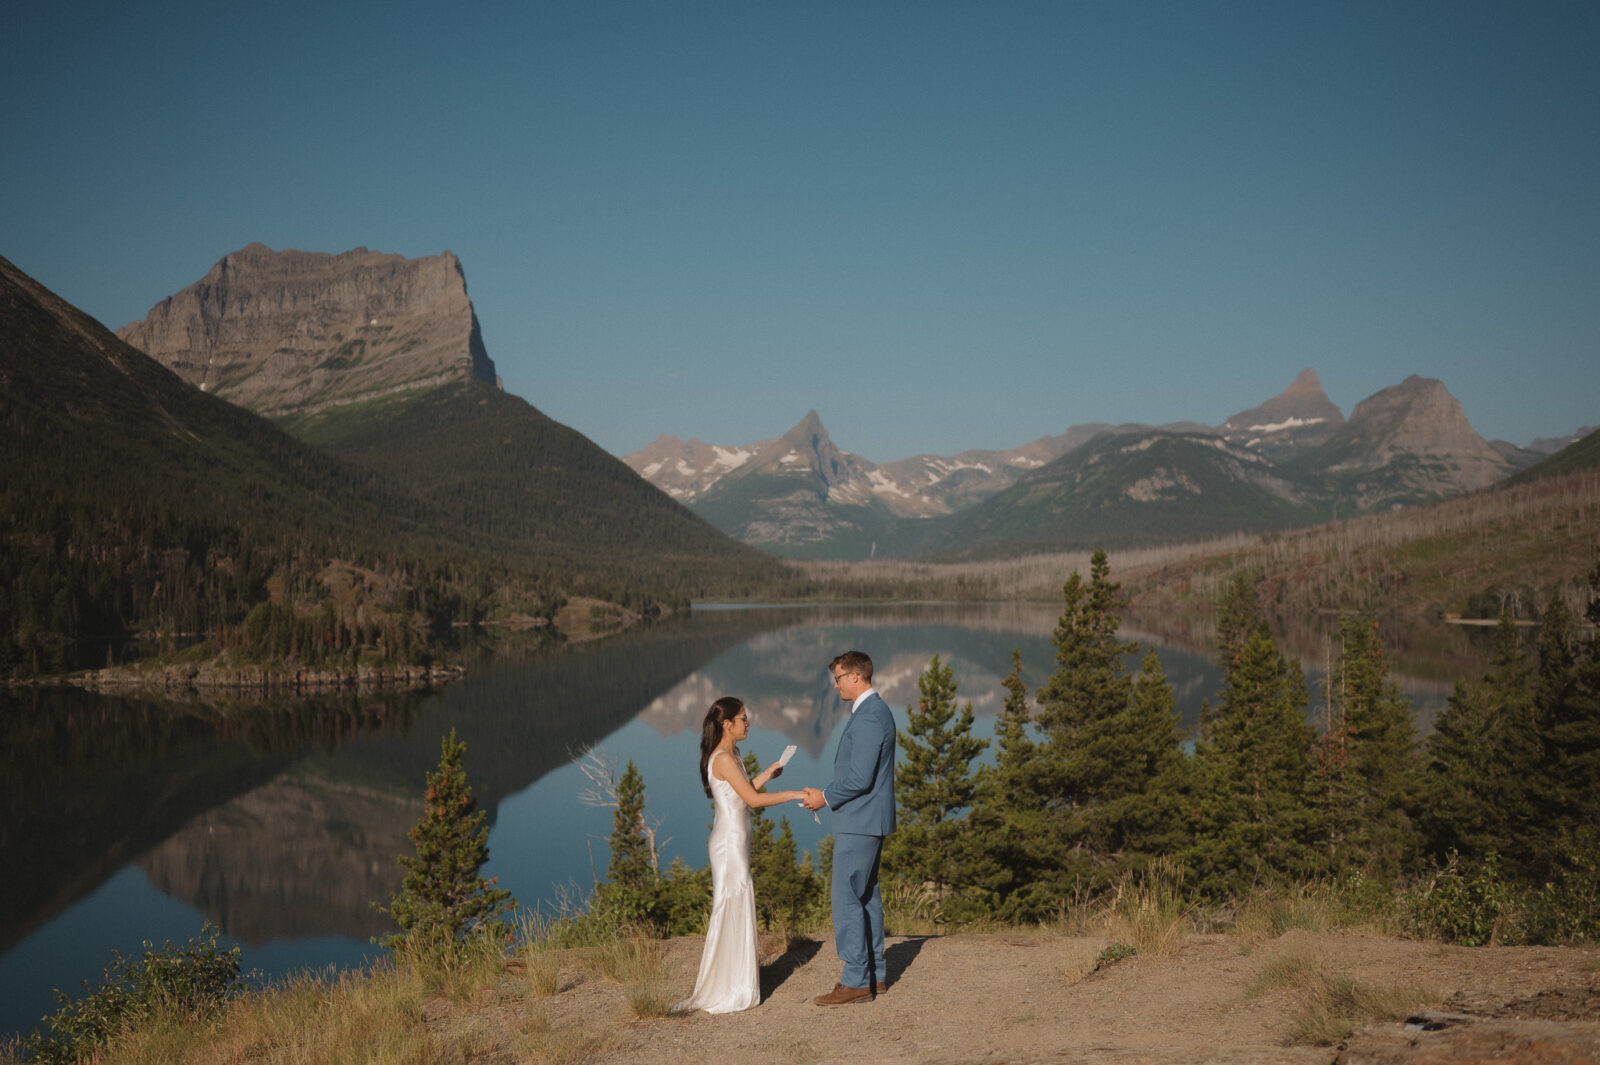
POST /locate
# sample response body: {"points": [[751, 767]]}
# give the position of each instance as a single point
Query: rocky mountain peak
{"points": [[808, 432], [1412, 441], [1305, 383], [295, 331], [1300, 417]]}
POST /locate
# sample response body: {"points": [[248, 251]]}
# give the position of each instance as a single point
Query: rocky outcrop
{"points": [[298, 332]]}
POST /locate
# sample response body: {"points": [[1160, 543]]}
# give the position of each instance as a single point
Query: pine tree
{"points": [[632, 863], [1483, 761], [1567, 705], [934, 781], [443, 900], [1236, 617], [1367, 758], [1083, 713], [786, 885], [1008, 846], [1254, 817], [1138, 815], [1091, 681]]}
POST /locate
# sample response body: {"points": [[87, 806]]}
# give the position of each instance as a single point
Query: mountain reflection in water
{"points": [[129, 819]]}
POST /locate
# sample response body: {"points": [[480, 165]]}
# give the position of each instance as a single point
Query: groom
{"points": [[862, 800]]}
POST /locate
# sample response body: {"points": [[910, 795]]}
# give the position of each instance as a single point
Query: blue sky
{"points": [[940, 225]]}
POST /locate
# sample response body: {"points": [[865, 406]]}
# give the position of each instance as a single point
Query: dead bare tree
{"points": [[599, 768]]}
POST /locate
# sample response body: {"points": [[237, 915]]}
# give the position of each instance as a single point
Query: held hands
{"points": [[812, 799]]}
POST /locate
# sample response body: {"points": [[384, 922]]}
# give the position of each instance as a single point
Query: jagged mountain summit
{"points": [[917, 487], [299, 332], [1406, 444], [800, 493], [1291, 460], [1300, 417]]}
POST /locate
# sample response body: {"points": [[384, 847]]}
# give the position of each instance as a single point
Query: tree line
{"points": [[1488, 826]]}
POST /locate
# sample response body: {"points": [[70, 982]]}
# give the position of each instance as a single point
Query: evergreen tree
{"points": [[786, 885], [1236, 617], [1008, 845], [1567, 705], [934, 781], [1091, 681], [1367, 758], [1483, 761], [1084, 715], [1138, 816], [632, 863], [1254, 817], [443, 899]]}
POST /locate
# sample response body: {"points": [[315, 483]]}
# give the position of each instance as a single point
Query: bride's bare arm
{"points": [[745, 790]]}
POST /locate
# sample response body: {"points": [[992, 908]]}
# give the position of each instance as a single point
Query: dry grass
{"points": [[912, 910], [1147, 912], [1332, 1004], [1079, 958]]}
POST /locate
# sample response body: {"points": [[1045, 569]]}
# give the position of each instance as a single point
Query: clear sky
{"points": [[940, 225]]}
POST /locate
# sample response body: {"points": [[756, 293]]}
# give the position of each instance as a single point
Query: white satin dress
{"points": [[730, 978]]}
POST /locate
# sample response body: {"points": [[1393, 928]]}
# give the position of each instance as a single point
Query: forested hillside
{"points": [[140, 507], [510, 475]]}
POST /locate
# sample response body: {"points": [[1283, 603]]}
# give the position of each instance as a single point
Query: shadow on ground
{"points": [[798, 953]]}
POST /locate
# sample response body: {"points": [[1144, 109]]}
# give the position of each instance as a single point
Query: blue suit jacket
{"points": [[862, 793]]}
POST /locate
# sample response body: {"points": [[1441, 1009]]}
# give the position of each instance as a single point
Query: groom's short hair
{"points": [[854, 662]]}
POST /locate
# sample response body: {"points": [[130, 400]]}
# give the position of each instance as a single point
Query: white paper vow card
{"points": [[788, 753]]}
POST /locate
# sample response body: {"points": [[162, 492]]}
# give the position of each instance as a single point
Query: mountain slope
{"points": [[1584, 454], [1130, 490], [513, 475], [379, 359], [136, 502]]}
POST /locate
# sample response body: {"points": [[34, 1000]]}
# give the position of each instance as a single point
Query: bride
{"points": [[728, 979]]}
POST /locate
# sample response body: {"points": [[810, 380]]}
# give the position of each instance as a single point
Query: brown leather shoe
{"points": [[879, 988], [843, 996]]}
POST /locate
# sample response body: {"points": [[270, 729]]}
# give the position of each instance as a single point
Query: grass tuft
{"points": [[1147, 911], [1333, 1004]]}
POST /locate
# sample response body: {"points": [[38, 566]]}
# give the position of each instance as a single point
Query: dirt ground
{"points": [[1037, 998]]}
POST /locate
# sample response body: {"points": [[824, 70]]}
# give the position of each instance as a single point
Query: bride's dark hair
{"points": [[722, 711]]}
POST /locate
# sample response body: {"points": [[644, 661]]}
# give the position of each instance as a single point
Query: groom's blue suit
{"points": [[861, 798]]}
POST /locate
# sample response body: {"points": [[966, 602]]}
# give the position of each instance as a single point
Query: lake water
{"points": [[128, 820]]}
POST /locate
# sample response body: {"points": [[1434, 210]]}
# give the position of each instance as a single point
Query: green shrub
{"points": [[190, 980], [1566, 908], [1115, 953], [1471, 906]]}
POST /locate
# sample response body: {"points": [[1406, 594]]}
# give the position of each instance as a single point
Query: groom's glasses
{"points": [[837, 677]]}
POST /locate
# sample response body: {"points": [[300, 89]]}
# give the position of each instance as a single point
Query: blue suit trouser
{"points": [[858, 909]]}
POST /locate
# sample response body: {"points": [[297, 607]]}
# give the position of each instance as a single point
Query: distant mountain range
{"points": [[1292, 460], [378, 359]]}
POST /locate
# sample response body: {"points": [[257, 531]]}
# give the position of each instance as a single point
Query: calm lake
{"points": [[128, 820]]}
